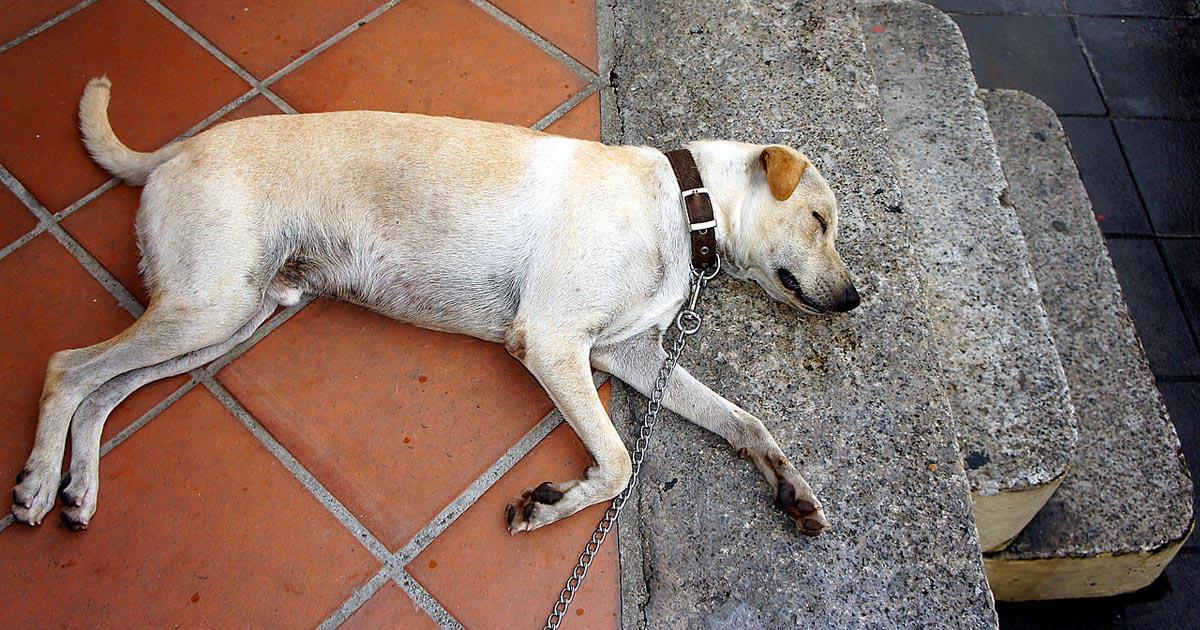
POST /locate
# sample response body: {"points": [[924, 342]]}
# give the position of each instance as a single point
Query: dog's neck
{"points": [[727, 169]]}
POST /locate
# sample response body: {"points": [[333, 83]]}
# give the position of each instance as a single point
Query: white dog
{"points": [[573, 254]]}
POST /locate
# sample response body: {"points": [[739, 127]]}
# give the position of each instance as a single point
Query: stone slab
{"points": [[856, 401], [1007, 389], [1125, 507]]}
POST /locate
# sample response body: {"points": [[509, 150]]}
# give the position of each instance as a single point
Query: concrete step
{"points": [[1125, 506], [1007, 390], [856, 401]]}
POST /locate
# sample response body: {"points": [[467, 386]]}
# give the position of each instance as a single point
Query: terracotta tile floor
{"points": [[343, 468]]}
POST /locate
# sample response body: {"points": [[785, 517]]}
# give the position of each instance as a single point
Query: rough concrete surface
{"points": [[1007, 390], [1128, 490], [856, 401]]}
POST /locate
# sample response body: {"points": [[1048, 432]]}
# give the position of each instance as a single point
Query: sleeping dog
{"points": [[573, 254]]}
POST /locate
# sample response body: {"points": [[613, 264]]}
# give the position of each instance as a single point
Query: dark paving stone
{"points": [[1105, 175], [1159, 320], [1179, 607], [1183, 403], [1165, 157], [1037, 54], [1162, 8], [1146, 68], [1067, 614], [1041, 7], [1183, 258]]}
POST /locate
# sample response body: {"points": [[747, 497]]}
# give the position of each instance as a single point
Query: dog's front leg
{"points": [[637, 362], [563, 369]]}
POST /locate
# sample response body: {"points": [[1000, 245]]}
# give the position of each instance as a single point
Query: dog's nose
{"points": [[850, 300]]}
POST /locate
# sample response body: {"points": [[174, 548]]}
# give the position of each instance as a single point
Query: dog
{"points": [[573, 254]]}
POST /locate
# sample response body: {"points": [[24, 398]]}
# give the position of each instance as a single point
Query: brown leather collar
{"points": [[697, 203]]}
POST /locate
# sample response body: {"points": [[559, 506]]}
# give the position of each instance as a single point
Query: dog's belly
{"points": [[386, 278]]}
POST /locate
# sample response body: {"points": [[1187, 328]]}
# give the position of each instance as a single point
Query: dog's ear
{"points": [[784, 168]]}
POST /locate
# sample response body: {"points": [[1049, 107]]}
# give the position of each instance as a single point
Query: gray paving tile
{"points": [[1183, 258], [1041, 7], [1105, 175], [1165, 159], [1183, 403], [1159, 320], [1033, 53], [1146, 68], [1162, 8]]}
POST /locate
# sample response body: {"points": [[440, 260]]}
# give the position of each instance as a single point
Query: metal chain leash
{"points": [[687, 322]]}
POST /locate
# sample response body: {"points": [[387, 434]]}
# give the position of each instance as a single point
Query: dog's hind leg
{"points": [[169, 328], [82, 483], [563, 370], [637, 362]]}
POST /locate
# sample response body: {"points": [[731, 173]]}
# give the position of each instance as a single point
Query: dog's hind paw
{"points": [[532, 510], [806, 513], [34, 493]]}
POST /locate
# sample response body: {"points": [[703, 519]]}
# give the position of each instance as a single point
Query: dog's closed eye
{"points": [[821, 220], [789, 281]]}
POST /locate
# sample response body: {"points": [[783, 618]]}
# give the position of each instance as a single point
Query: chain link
{"points": [[687, 323]]}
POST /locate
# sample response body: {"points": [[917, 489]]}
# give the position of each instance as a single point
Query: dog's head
{"points": [[786, 227]]}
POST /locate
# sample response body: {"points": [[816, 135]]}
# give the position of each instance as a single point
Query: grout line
{"points": [[220, 55], [145, 419], [28, 236], [485, 481], [306, 478], [425, 600], [565, 107], [86, 199], [93, 266], [203, 41], [193, 130], [265, 329], [323, 46], [357, 599], [1091, 66], [457, 507], [537, 40], [1176, 285], [464, 501], [20, 39]]}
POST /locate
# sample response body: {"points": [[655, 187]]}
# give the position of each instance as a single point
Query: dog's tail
{"points": [[103, 144]]}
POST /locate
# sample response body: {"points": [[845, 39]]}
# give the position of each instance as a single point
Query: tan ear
{"points": [[784, 169]]}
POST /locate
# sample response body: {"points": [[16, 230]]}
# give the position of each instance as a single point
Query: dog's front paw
{"points": [[33, 495], [78, 495], [532, 509], [805, 511]]}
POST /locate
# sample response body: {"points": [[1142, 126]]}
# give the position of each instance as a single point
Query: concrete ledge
{"points": [[1068, 577], [1125, 507], [1007, 389], [856, 401]]}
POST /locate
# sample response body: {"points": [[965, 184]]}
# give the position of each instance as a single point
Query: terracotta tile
{"points": [[263, 37], [22, 15], [391, 607], [434, 57], [198, 526], [105, 225], [15, 218], [582, 121], [396, 421], [570, 25], [52, 304], [486, 578], [163, 83]]}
